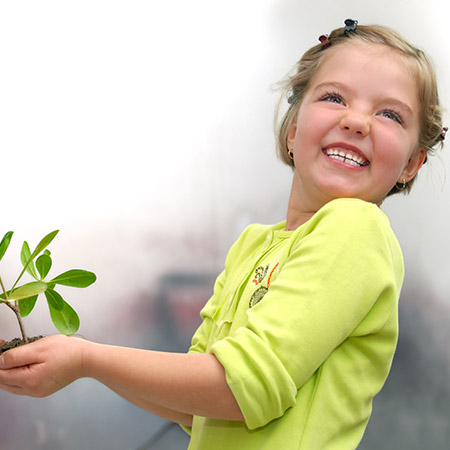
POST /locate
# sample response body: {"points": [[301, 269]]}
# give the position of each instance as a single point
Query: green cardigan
{"points": [[305, 324]]}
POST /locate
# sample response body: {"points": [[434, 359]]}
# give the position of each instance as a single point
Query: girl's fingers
{"points": [[18, 357], [11, 388], [12, 380]]}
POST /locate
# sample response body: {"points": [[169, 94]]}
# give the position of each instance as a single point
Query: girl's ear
{"points": [[291, 134], [414, 164]]}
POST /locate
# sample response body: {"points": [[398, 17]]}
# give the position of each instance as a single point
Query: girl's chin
{"points": [[334, 192]]}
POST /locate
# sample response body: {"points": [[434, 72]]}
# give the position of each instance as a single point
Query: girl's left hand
{"points": [[42, 367]]}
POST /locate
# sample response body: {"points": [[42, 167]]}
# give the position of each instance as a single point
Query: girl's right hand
{"points": [[43, 367]]}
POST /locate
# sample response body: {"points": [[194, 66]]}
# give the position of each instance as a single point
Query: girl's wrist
{"points": [[85, 350]]}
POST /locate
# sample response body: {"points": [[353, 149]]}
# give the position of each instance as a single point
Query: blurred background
{"points": [[143, 131]]}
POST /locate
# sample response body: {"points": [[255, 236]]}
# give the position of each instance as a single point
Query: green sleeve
{"points": [[341, 280]]}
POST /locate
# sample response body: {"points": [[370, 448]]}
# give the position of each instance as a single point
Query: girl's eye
{"points": [[332, 97], [392, 115]]}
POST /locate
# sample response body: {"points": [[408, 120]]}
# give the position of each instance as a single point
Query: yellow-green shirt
{"points": [[305, 324]]}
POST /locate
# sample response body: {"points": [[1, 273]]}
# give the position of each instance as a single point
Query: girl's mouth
{"points": [[346, 156]]}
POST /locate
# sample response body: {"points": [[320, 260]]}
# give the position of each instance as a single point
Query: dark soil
{"points": [[17, 342]]}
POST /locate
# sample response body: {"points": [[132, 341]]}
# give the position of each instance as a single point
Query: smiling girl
{"points": [[300, 332]]}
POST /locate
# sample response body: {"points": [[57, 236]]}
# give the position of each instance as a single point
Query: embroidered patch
{"points": [[257, 296], [260, 274]]}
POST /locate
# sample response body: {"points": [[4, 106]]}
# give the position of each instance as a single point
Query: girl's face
{"points": [[357, 128]]}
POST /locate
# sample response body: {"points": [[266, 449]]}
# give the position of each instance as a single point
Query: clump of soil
{"points": [[17, 342]]}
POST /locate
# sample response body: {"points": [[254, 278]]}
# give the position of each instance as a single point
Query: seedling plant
{"points": [[21, 299]]}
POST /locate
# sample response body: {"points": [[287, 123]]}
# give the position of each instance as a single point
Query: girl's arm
{"points": [[181, 385], [165, 413]]}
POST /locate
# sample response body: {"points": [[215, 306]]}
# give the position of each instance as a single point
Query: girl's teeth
{"points": [[349, 158]]}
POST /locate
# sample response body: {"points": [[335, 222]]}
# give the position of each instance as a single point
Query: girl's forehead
{"points": [[367, 63], [353, 54]]}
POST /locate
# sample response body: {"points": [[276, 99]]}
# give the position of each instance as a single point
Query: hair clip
{"points": [[292, 96], [443, 133], [324, 41], [350, 25]]}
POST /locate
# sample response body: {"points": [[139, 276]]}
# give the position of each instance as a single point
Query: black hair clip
{"points": [[291, 99], [443, 133], [350, 25], [324, 41]]}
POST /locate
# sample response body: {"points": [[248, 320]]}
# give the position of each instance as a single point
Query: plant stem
{"points": [[15, 308], [3, 288], [19, 319], [20, 276]]}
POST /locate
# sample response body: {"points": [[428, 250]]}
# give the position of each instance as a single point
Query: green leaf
{"points": [[43, 265], [65, 320], [27, 290], [27, 260], [76, 278], [54, 299], [26, 305], [45, 242], [5, 243]]}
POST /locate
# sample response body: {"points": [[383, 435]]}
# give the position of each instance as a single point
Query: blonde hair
{"points": [[295, 86]]}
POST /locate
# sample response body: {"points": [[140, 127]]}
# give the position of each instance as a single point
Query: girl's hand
{"points": [[42, 367]]}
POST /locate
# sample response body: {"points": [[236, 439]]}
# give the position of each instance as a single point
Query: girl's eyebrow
{"points": [[331, 84], [398, 103], [385, 100]]}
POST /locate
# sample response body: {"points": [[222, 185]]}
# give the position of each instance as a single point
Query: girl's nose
{"points": [[356, 123]]}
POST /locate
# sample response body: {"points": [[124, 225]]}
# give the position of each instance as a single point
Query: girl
{"points": [[301, 330]]}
